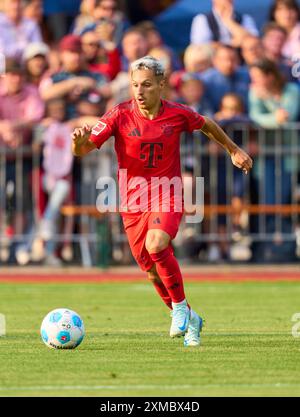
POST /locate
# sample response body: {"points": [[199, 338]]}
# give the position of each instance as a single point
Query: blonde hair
{"points": [[193, 52], [150, 63]]}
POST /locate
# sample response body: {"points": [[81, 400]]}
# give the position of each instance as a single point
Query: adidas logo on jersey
{"points": [[135, 132], [157, 221]]}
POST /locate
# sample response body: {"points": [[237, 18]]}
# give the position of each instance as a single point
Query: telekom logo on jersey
{"points": [[139, 194]]}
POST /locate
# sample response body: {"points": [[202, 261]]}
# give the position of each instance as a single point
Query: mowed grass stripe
{"points": [[247, 346]]}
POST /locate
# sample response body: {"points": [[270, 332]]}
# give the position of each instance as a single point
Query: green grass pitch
{"points": [[247, 345]]}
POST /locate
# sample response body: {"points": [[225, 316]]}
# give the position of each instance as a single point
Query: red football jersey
{"points": [[147, 151]]}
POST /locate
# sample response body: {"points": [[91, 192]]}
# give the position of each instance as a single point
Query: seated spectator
{"points": [[223, 25], [134, 46], [252, 50], [100, 58], [226, 77], [272, 101], [73, 81], [35, 59], [286, 13], [16, 31]]}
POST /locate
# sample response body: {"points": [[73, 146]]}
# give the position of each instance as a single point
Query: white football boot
{"points": [[180, 319], [192, 336]]}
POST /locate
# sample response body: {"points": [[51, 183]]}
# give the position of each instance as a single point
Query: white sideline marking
{"points": [[143, 387]]}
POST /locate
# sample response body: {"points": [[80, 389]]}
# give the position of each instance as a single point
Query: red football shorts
{"points": [[136, 227]]}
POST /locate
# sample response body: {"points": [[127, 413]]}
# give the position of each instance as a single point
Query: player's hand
{"points": [[81, 135], [241, 160]]}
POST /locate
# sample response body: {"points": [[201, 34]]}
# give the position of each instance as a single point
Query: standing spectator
{"points": [[273, 102], [56, 181], [16, 31], [232, 112], [226, 76], [223, 25], [100, 57], [73, 80], [20, 109], [20, 106], [252, 50], [286, 13], [35, 62]]}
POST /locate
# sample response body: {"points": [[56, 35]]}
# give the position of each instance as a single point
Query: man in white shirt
{"points": [[222, 25], [16, 31]]}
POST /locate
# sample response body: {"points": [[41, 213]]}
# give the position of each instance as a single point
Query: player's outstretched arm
{"points": [[239, 157], [81, 145]]}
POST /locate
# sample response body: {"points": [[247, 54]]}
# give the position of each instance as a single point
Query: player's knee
{"points": [[157, 242], [156, 246]]}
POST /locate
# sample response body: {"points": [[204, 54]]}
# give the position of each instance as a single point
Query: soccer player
{"points": [[147, 142]]}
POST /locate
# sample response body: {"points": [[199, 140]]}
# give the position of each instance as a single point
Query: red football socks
{"points": [[169, 272], [163, 293]]}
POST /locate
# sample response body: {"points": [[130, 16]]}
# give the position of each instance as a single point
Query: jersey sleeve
{"points": [[105, 127], [194, 120]]}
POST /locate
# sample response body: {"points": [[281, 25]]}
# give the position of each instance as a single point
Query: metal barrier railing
{"points": [[259, 211]]}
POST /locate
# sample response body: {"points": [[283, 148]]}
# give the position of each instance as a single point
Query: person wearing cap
{"points": [[74, 79], [35, 59], [16, 31]]}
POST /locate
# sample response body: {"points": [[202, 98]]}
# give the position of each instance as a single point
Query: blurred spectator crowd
{"points": [[65, 68]]}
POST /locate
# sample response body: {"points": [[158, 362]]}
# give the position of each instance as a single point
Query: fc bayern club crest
{"points": [[168, 130]]}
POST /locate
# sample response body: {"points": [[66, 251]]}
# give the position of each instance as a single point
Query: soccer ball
{"points": [[62, 329]]}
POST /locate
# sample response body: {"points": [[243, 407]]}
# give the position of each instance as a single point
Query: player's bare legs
{"points": [[159, 286], [158, 246]]}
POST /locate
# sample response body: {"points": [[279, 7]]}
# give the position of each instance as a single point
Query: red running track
{"points": [[106, 277]]}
